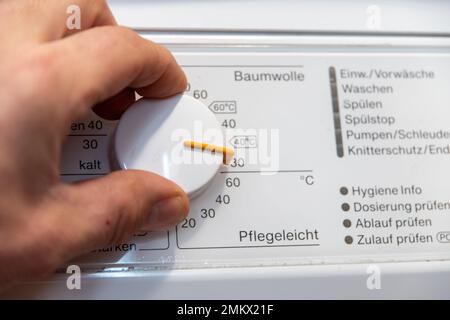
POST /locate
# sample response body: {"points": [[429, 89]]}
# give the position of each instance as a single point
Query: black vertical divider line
{"points": [[336, 114]]}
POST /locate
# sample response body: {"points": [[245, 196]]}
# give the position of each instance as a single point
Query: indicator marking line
{"points": [[266, 171], [227, 153]]}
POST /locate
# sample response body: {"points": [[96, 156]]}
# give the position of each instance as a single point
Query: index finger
{"points": [[91, 66]]}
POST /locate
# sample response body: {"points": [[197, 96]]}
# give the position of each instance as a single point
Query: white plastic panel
{"points": [[385, 16], [418, 280], [324, 173]]}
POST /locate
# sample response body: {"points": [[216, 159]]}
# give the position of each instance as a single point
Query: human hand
{"points": [[49, 77]]}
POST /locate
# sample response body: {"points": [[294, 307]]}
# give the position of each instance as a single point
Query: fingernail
{"points": [[166, 214]]}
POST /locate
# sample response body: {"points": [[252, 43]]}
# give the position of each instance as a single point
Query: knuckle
{"points": [[161, 56], [112, 35], [123, 218], [121, 228]]}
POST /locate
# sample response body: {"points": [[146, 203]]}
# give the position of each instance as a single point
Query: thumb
{"points": [[106, 211]]}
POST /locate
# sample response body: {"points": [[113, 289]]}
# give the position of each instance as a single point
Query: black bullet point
{"points": [[348, 240]]}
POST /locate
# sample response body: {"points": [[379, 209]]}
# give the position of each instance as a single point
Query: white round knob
{"points": [[152, 135]]}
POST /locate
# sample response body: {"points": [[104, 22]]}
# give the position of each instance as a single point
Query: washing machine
{"points": [[338, 114]]}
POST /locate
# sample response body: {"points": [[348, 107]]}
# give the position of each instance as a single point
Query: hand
{"points": [[49, 77]]}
